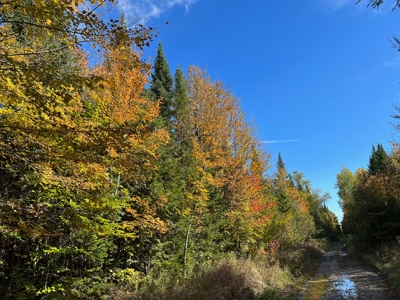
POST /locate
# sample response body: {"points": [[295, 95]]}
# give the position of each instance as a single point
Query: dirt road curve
{"points": [[346, 277]]}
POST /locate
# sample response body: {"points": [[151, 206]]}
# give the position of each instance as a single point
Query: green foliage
{"points": [[345, 183], [327, 224], [280, 165], [180, 97], [371, 201], [283, 200], [301, 212], [379, 161], [162, 84], [263, 276], [101, 187]]}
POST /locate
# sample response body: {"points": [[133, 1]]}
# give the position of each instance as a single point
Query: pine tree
{"points": [[162, 84]]}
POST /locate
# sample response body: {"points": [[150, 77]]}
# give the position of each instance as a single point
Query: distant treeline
{"points": [[370, 199]]}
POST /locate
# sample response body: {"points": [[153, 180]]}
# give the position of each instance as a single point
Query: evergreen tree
{"points": [[162, 84], [378, 161], [181, 112], [280, 164], [290, 181], [283, 200], [372, 161], [180, 96], [178, 177]]}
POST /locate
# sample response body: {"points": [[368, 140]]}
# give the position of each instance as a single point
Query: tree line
{"points": [[104, 180], [370, 199]]}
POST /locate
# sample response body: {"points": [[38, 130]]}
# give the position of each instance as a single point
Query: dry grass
{"points": [[258, 278], [302, 259], [229, 278]]}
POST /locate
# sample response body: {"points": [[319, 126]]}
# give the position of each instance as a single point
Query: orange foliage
{"points": [[229, 151], [131, 141]]}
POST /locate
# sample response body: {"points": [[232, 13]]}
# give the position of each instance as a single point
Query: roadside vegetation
{"points": [[120, 180], [385, 258], [371, 203], [279, 275], [370, 199]]}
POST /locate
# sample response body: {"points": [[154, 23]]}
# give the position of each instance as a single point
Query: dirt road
{"points": [[342, 276]]}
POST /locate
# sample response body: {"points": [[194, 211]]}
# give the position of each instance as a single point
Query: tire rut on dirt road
{"points": [[347, 277]]}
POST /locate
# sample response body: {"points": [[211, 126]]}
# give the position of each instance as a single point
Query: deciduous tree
{"points": [[231, 155]]}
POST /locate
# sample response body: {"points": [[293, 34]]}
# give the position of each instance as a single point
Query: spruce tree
{"points": [[178, 176], [181, 111], [378, 161], [162, 84], [290, 181], [283, 201], [180, 97], [280, 165], [372, 161]]}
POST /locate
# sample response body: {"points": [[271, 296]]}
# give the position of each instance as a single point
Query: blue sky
{"points": [[317, 77]]}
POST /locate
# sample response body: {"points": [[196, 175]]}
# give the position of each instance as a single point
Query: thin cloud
{"points": [[334, 5], [279, 141], [147, 9], [392, 63]]}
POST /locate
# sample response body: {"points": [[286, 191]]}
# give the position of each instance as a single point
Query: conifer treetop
{"points": [[280, 165], [180, 95], [162, 83]]}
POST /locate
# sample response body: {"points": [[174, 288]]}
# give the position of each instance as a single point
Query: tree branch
{"points": [[44, 51]]}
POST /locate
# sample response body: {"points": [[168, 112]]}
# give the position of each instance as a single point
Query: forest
{"points": [[120, 180]]}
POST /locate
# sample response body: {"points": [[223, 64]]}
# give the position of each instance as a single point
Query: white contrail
{"points": [[279, 141]]}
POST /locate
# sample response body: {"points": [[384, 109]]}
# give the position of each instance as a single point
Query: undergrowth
{"points": [[278, 275], [385, 258]]}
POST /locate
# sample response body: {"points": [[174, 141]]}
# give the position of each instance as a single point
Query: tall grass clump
{"points": [[264, 276], [227, 278]]}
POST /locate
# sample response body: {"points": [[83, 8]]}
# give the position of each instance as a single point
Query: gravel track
{"points": [[350, 278]]}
